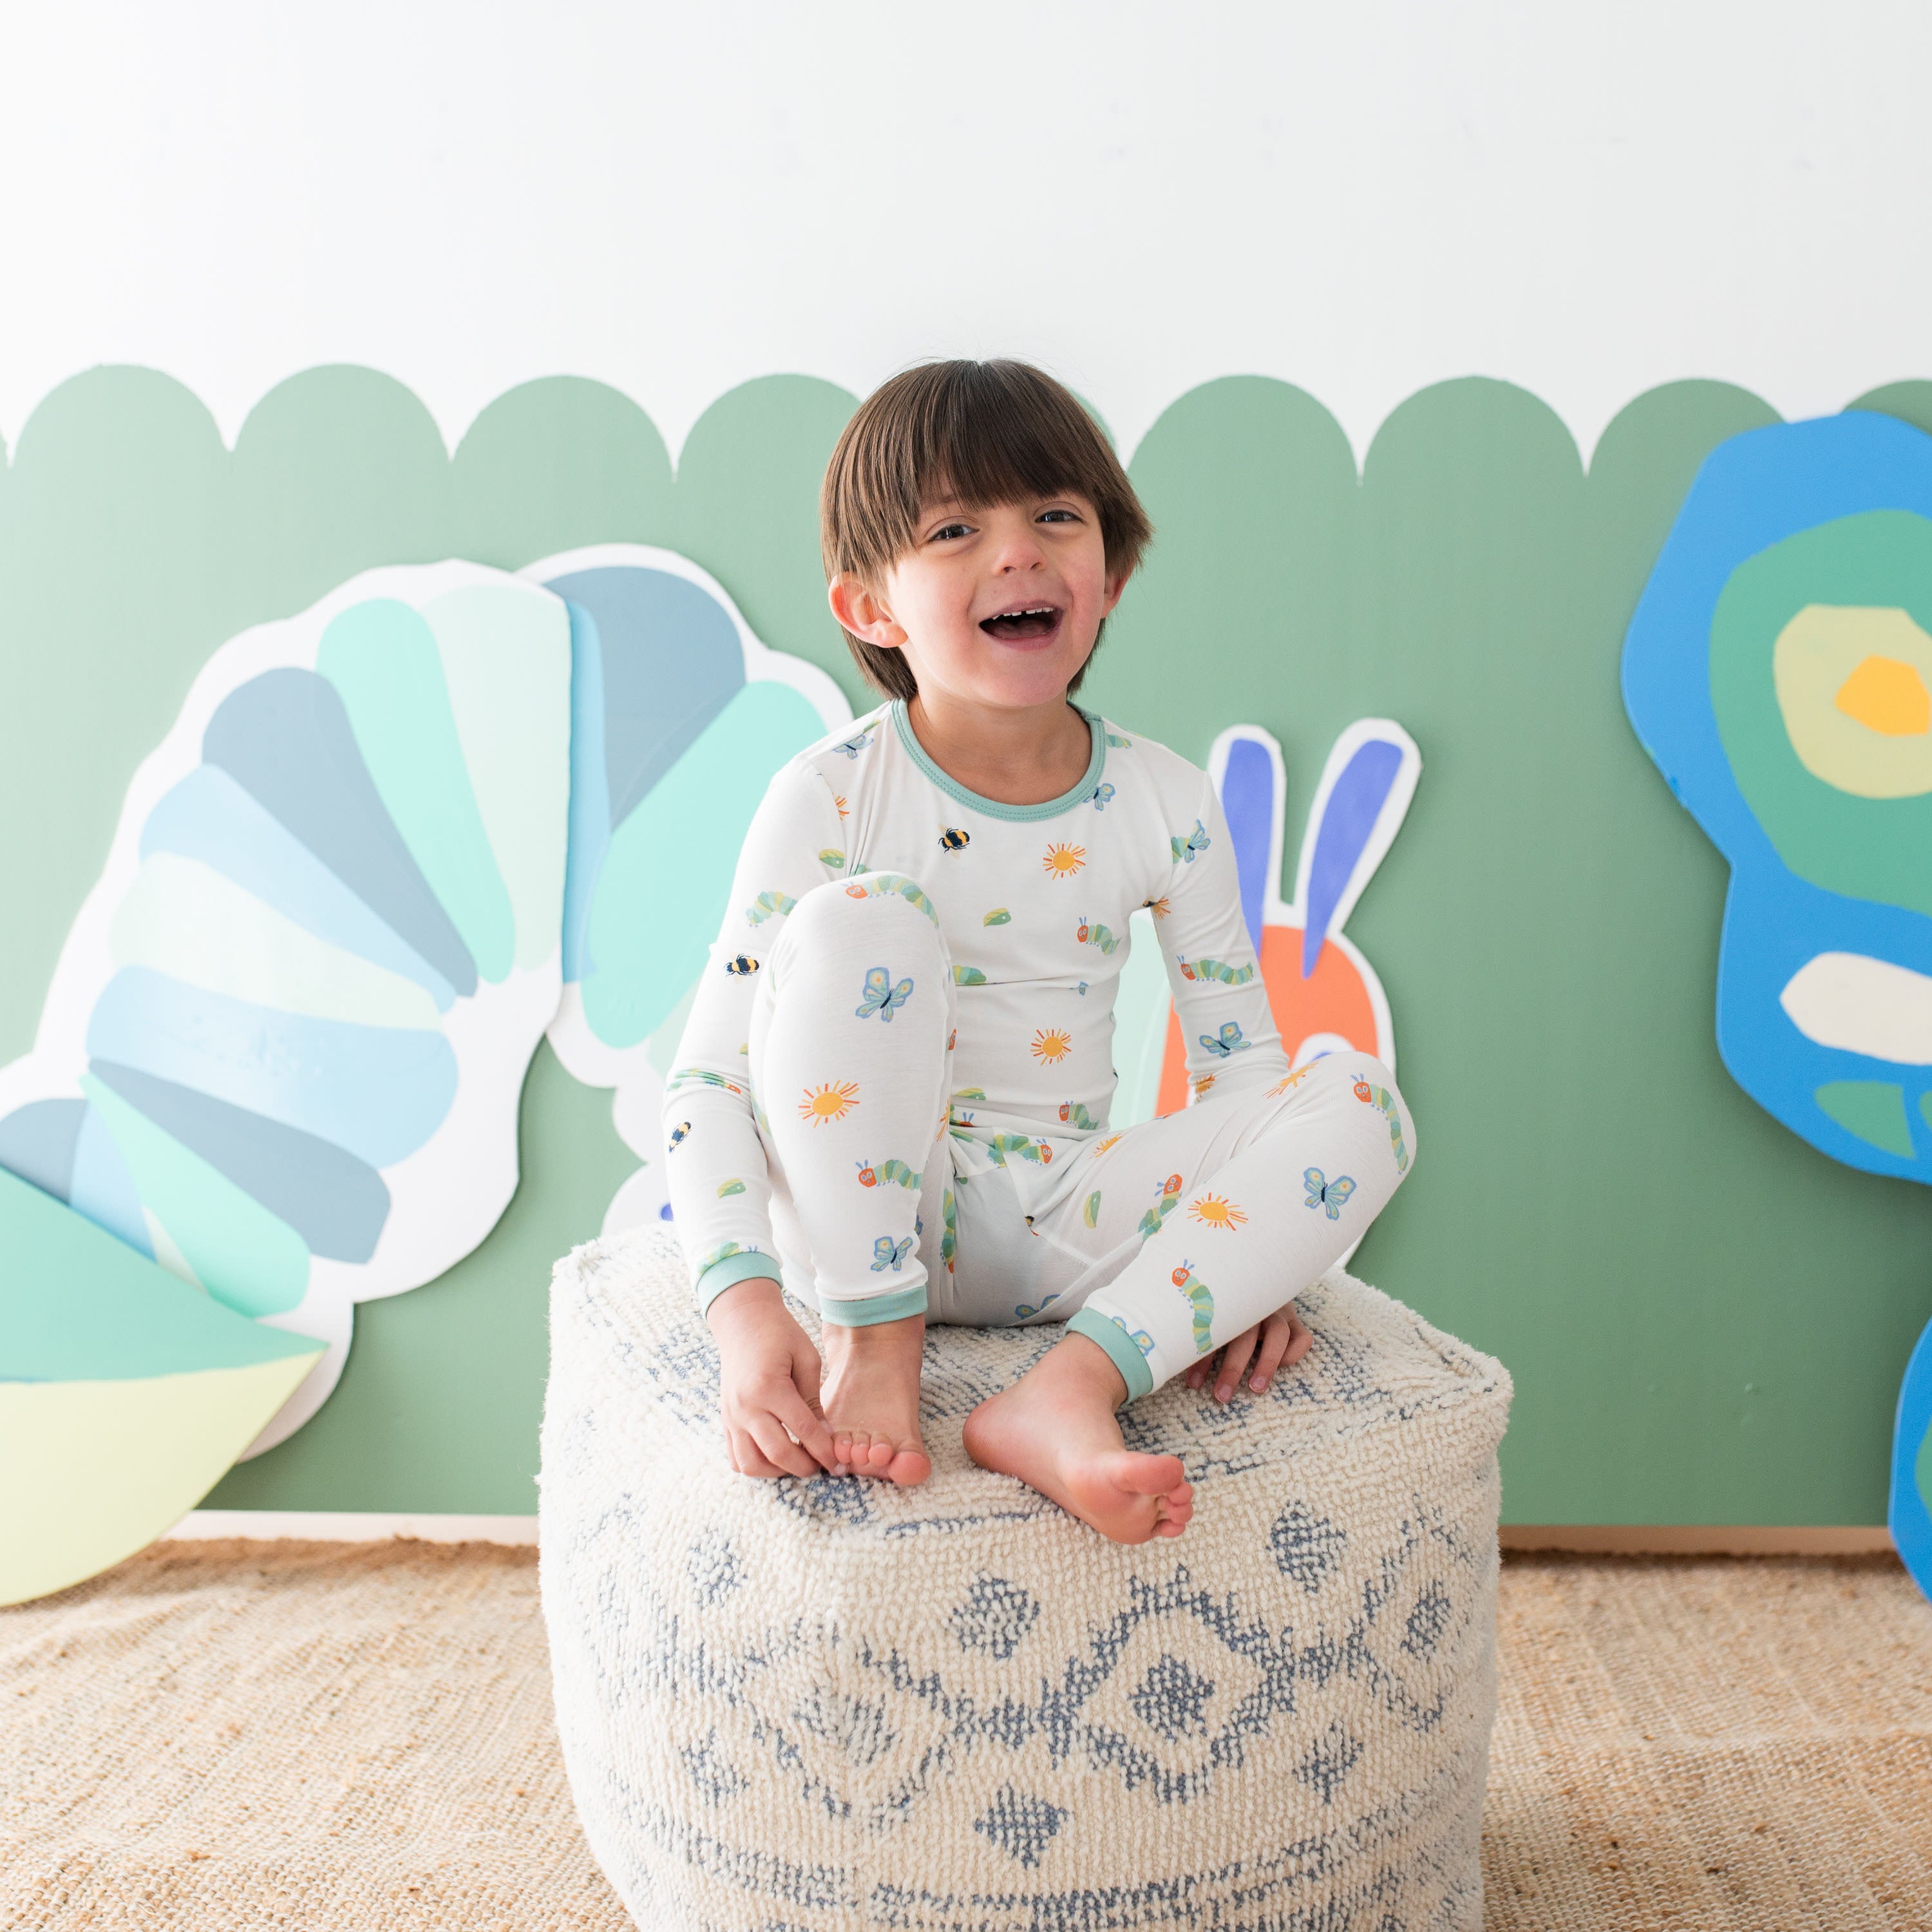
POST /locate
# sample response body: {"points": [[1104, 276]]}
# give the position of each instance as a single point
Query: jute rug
{"points": [[219, 1735]]}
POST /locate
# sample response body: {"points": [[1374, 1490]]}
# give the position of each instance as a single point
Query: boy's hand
{"points": [[1279, 1342], [768, 1374]]}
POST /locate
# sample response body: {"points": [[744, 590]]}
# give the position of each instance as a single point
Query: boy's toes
{"points": [[909, 1465]]}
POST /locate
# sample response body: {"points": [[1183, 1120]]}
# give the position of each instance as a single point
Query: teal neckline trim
{"points": [[1089, 783]]}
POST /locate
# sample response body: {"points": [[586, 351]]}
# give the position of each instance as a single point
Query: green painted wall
{"points": [[1706, 1319]]}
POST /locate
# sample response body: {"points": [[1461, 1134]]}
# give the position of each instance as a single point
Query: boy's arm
{"points": [[719, 1184], [1219, 998]]}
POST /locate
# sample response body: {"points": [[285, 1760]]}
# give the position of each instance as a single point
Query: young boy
{"points": [[897, 1073]]}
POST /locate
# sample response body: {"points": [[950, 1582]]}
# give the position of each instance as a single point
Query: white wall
{"points": [[1585, 199]]}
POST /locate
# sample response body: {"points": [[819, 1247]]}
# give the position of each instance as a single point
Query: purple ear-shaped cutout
{"points": [[1347, 823], [1249, 803]]}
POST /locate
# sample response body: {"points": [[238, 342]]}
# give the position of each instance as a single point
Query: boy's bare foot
{"points": [[871, 1399], [1055, 1428]]}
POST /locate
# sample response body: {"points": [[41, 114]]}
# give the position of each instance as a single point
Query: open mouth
{"points": [[1024, 624]]}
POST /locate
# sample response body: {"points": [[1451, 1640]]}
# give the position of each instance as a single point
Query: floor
{"points": [[229, 1735]]}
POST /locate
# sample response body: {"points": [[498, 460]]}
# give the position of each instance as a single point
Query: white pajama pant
{"points": [[1160, 1242]]}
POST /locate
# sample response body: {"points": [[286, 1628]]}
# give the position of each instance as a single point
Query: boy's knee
{"points": [[876, 907]]}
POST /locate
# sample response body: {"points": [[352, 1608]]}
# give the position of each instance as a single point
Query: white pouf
{"points": [[797, 1706]]}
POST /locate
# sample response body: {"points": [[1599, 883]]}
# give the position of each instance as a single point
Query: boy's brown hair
{"points": [[986, 433]]}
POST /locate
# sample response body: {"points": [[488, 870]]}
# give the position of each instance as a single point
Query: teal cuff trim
{"points": [[731, 1270], [874, 1309], [1090, 782], [1121, 1349]]}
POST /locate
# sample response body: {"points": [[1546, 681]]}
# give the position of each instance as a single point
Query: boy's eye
{"points": [[946, 532], [1057, 517]]}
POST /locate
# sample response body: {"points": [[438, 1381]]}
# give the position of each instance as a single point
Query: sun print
{"points": [[1062, 862], [1213, 1211], [1050, 1044], [830, 1101]]}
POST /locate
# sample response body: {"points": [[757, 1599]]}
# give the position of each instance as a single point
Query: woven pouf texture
{"points": [[797, 1706]]}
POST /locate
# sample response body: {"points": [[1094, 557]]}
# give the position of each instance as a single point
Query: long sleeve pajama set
{"points": [[896, 1073]]}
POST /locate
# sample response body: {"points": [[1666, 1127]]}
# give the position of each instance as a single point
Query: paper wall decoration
{"points": [[1323, 993], [124, 1394], [1778, 670], [680, 717], [284, 1046]]}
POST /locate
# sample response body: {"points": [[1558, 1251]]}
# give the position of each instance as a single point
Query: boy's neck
{"points": [[1024, 756]]}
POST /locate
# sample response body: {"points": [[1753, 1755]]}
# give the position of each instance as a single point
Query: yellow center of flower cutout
{"points": [[828, 1102]]}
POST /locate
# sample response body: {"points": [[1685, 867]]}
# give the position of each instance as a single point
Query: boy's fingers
{"points": [[746, 1458], [778, 1447], [1276, 1333], [1301, 1340], [800, 1415], [807, 1373], [1233, 1362]]}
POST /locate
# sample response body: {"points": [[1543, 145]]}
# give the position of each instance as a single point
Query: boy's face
{"points": [[998, 607]]}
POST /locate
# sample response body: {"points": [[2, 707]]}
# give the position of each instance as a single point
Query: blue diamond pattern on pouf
{"points": [[831, 1705], [1021, 1827]]}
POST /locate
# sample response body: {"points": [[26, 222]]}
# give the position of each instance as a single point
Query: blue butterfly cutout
{"points": [[1101, 796], [1230, 1042], [1331, 1194], [887, 1253], [853, 747], [881, 996]]}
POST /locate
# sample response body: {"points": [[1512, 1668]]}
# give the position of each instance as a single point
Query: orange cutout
{"points": [[1888, 697]]}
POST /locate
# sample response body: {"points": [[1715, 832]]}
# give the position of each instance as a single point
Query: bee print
{"points": [[1170, 1195], [1381, 1098], [852, 747], [1230, 1041], [830, 855], [968, 976], [1062, 862], [677, 1134], [729, 1187], [1330, 1196], [1075, 1114], [1202, 1302], [887, 1253], [1211, 1210], [881, 996], [1025, 1311], [1101, 794], [1091, 1213], [999, 915], [949, 1237], [1094, 934], [741, 966], [767, 904], [1140, 1338], [954, 839], [1184, 849]]}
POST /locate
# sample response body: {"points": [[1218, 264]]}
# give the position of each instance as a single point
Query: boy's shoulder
{"points": [[1171, 777], [842, 745]]}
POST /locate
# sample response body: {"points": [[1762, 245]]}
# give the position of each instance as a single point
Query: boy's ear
{"points": [[1115, 585], [861, 610]]}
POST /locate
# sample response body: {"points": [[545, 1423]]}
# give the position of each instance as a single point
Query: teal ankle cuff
{"points": [[873, 1309], [1125, 1353]]}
